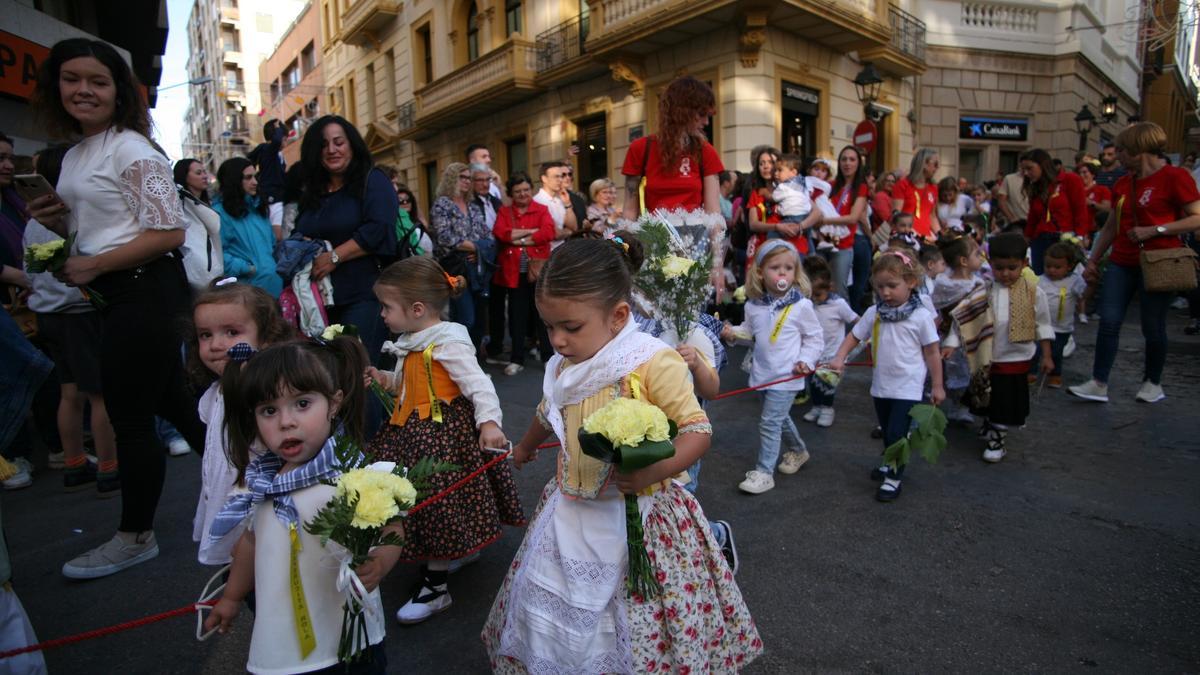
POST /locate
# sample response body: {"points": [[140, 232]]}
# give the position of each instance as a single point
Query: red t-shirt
{"points": [[767, 214], [920, 202], [844, 204], [1161, 198], [677, 187], [1099, 194], [1067, 210]]}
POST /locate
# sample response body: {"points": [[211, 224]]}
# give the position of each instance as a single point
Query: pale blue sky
{"points": [[173, 103]]}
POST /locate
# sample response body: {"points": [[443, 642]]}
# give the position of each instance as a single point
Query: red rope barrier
{"points": [[192, 607], [101, 632]]}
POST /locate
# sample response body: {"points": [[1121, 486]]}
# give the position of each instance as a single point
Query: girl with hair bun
{"points": [[563, 606], [446, 409]]}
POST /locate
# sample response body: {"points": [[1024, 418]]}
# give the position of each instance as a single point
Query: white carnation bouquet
{"points": [[680, 249]]}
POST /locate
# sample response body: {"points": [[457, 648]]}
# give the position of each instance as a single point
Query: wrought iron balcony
{"points": [[908, 33], [406, 116], [562, 43]]}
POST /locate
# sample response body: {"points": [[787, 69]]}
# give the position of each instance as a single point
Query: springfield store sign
{"points": [[991, 129]]}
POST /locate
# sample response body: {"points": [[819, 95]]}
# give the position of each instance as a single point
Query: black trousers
{"points": [[521, 312], [141, 367]]}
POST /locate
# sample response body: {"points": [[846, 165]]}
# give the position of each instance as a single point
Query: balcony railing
{"points": [[406, 116], [908, 33], [504, 72], [562, 43]]}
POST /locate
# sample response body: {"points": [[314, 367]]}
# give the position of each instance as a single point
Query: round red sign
{"points": [[866, 136]]}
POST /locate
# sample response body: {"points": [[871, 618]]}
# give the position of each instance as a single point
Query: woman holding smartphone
{"points": [[117, 196]]}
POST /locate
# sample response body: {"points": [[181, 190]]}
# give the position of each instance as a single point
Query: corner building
{"points": [[423, 79]]}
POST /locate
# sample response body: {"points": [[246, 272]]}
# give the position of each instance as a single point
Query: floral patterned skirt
{"points": [[699, 624], [467, 519]]}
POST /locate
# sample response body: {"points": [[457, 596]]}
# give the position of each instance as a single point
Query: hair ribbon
{"points": [[771, 245], [621, 242], [901, 255], [225, 282], [451, 281], [241, 352]]}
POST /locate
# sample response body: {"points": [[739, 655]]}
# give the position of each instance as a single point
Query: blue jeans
{"points": [[862, 272], [1120, 285], [892, 414], [840, 262], [22, 370], [1037, 250], [776, 422], [1056, 353]]}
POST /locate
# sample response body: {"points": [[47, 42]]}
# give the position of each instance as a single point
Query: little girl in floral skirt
{"points": [[564, 606], [447, 410]]}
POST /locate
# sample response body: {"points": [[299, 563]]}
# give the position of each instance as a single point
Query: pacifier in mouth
{"points": [[782, 284]]}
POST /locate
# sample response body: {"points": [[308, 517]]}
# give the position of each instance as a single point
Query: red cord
{"points": [[461, 482]]}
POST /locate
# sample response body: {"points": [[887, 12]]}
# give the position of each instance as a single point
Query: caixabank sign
{"points": [[992, 129]]}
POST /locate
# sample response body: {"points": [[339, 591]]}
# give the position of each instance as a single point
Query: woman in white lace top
{"points": [[117, 196]]}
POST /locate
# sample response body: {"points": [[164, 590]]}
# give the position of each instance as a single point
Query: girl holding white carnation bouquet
{"points": [[788, 340], [446, 409], [619, 571], [298, 400]]}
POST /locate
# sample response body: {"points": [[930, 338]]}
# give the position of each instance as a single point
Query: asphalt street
{"points": [[1080, 552]]}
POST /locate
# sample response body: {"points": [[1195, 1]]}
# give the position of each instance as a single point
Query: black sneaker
{"points": [[877, 432], [82, 478], [729, 548], [1192, 328], [880, 472], [108, 485]]}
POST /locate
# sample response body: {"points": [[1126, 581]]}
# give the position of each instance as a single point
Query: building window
{"points": [[512, 16], [291, 77], [370, 87], [517, 156], [472, 33], [351, 101], [424, 53], [308, 59], [430, 170], [389, 80], [592, 141]]}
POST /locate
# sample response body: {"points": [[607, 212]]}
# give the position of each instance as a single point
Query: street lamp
{"points": [[1084, 121], [1108, 108], [866, 84], [199, 80]]}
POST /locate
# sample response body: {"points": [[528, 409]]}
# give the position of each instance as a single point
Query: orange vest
{"points": [[417, 382]]}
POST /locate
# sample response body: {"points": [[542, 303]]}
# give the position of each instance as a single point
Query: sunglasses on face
{"points": [[404, 202]]}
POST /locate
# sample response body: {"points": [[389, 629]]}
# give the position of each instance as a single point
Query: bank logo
{"points": [[976, 129]]}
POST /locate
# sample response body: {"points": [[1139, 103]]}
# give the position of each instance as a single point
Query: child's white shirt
{"points": [[793, 196], [1004, 351], [822, 202], [951, 215], [217, 478], [462, 365], [835, 316], [800, 340], [900, 370], [1063, 298], [274, 647]]}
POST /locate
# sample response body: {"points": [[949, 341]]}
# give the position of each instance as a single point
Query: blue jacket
{"points": [[249, 241]]}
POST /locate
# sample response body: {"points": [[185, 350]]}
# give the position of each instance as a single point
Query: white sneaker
{"points": [[112, 556], [994, 455], [513, 369], [756, 482], [1179, 302], [826, 418], [23, 478], [426, 603], [812, 414], [1150, 392], [792, 461], [1069, 348], [496, 361], [1083, 317], [56, 460], [178, 448], [1091, 390]]}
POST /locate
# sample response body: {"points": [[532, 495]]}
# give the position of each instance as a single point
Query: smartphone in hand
{"points": [[31, 186]]}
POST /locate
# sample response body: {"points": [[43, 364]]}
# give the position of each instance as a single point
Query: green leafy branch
{"points": [[928, 438]]}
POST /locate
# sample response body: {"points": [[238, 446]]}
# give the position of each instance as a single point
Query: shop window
{"points": [[592, 160], [1009, 161], [970, 165], [516, 155], [801, 112]]}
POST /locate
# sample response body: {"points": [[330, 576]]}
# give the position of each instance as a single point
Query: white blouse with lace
{"points": [[117, 185]]}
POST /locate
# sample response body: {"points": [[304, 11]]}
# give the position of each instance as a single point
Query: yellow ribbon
{"points": [[304, 628], [1120, 205], [875, 340], [779, 322], [435, 408], [1062, 302], [635, 386]]}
